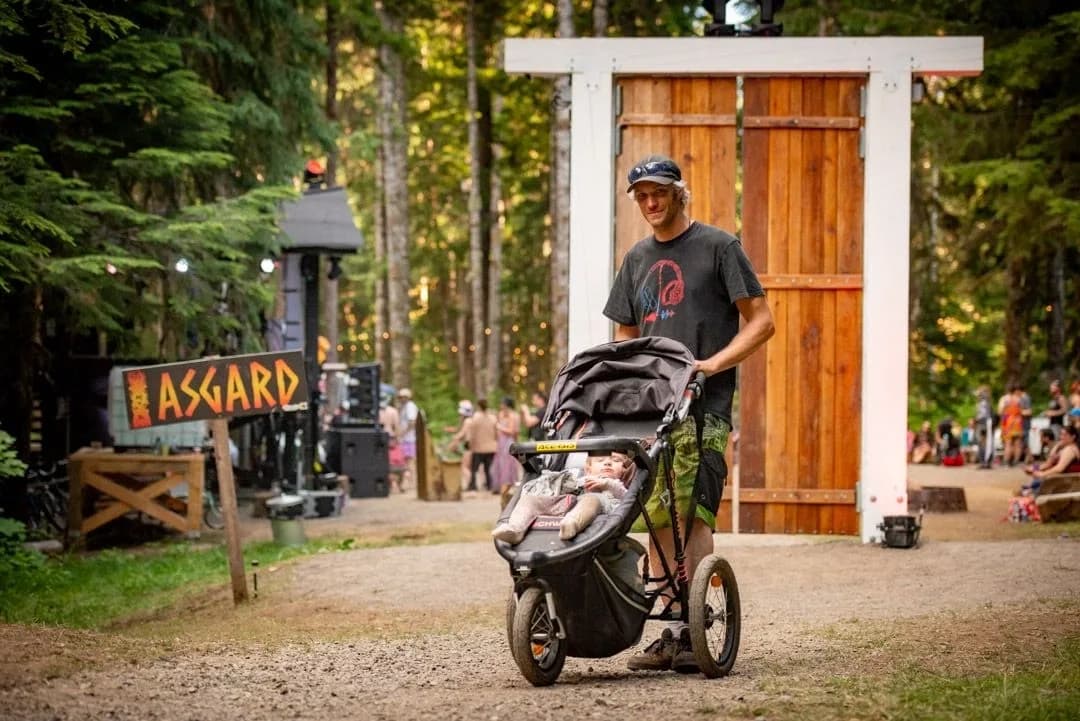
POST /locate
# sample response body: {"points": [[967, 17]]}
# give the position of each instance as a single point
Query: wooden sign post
{"points": [[219, 431], [216, 389]]}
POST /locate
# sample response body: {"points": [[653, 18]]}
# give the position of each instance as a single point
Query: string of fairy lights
{"points": [[525, 354]]}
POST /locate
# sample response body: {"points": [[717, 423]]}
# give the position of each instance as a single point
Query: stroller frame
{"points": [[710, 605]]}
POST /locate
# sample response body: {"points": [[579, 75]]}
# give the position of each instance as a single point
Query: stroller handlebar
{"points": [[632, 447], [693, 391]]}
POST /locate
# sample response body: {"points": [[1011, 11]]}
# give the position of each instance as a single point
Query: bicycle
{"points": [[44, 502]]}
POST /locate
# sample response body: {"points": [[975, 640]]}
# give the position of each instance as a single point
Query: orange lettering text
{"points": [[285, 374], [260, 376], [167, 399], [213, 400], [235, 391], [186, 389]]}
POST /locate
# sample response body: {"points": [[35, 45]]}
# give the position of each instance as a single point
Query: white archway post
{"points": [[888, 65]]}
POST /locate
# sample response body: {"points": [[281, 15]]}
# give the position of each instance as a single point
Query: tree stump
{"points": [[937, 499]]}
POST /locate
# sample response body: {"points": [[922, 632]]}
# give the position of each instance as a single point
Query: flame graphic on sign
{"points": [[139, 397]]}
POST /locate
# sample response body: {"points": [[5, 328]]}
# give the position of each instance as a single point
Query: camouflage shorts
{"points": [[684, 439]]}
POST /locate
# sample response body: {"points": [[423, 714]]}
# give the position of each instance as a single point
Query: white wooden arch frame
{"points": [[888, 63]]}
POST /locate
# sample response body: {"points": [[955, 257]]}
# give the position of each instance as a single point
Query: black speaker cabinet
{"points": [[364, 456], [364, 394]]}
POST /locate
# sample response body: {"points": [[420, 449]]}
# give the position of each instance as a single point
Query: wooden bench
{"points": [[1059, 497], [134, 482]]}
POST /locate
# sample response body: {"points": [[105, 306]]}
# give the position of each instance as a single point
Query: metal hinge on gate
{"points": [[862, 143], [862, 101]]}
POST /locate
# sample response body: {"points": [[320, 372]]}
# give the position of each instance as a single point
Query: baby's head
{"points": [[613, 465]]}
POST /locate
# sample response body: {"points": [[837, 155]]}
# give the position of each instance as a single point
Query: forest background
{"points": [[134, 134]]}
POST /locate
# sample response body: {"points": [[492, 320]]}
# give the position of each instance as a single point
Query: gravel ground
{"points": [[417, 632]]}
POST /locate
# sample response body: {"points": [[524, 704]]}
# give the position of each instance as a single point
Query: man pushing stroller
{"points": [[690, 282]]}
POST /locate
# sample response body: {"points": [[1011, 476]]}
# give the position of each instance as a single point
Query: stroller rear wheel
{"points": [[715, 616], [511, 609], [538, 651]]}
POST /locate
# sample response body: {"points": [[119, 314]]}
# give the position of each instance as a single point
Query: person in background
{"points": [[1025, 424], [481, 434], [984, 422], [923, 451], [389, 420], [1064, 458], [1057, 409], [504, 469], [1012, 425], [1074, 400], [532, 420], [969, 441], [406, 435], [465, 412]]}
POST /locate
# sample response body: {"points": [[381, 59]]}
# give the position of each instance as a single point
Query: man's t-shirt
{"points": [[685, 289]]}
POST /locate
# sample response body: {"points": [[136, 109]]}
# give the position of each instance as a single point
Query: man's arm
{"points": [[460, 435], [626, 332], [758, 328]]}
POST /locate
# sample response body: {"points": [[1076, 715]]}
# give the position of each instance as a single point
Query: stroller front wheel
{"points": [[538, 650], [715, 616]]}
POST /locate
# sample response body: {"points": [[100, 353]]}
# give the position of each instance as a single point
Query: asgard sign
{"points": [[215, 388]]}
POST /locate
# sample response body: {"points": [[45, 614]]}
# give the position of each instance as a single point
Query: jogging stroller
{"points": [[590, 596]]}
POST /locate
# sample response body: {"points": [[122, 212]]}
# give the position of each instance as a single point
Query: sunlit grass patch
{"points": [[1047, 689]]}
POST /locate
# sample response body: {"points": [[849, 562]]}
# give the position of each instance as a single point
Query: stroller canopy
{"points": [[641, 377]]}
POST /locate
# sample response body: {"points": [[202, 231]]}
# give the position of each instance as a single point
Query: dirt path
{"points": [[416, 632]]}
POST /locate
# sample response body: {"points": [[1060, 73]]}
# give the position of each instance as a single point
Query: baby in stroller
{"points": [[589, 594], [580, 497]]}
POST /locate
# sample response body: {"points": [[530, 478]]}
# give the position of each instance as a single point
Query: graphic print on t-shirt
{"points": [[662, 290]]}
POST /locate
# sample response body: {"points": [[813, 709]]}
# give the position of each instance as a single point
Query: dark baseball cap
{"points": [[656, 169]]}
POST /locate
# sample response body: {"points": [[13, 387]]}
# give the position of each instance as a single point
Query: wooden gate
{"points": [[799, 414]]}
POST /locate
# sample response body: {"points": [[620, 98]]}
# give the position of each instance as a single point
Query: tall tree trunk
{"points": [[560, 161], [396, 195], [382, 322], [497, 223], [477, 273], [1057, 350], [1014, 313], [599, 18], [466, 370], [330, 285]]}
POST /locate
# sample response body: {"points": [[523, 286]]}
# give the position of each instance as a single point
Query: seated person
{"points": [[1064, 458], [923, 449], [948, 444], [969, 442], [554, 493]]}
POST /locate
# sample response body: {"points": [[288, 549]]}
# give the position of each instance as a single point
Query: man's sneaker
{"points": [[657, 655], [683, 661]]}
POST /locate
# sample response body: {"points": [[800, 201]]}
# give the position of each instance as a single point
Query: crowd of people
{"points": [[1009, 423], [485, 438]]}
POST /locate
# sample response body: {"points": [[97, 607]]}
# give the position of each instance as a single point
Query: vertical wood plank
{"points": [[795, 400], [849, 304], [810, 327], [830, 320], [778, 455], [754, 390]]}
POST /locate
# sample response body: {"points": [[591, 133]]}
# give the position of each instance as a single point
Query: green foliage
{"points": [[90, 591], [16, 561], [10, 465]]}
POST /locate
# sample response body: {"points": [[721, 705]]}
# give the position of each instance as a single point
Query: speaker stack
{"points": [[358, 443]]}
